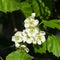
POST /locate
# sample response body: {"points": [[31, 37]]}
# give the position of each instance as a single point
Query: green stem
{"points": [[40, 23]]}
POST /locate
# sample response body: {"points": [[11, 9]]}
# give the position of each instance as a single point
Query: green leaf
{"points": [[52, 24], [35, 7], [12, 5], [56, 21], [9, 5], [40, 48], [49, 5], [53, 45], [45, 12], [18, 55], [26, 8], [40, 8]]}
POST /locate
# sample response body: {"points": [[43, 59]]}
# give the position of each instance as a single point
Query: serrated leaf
{"points": [[56, 21], [40, 48], [52, 24], [9, 5], [53, 45], [18, 55], [26, 8]]}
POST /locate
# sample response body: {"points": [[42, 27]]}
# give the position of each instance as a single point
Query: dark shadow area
{"points": [[7, 25]]}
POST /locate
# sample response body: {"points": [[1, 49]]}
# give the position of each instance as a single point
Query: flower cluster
{"points": [[31, 34]]}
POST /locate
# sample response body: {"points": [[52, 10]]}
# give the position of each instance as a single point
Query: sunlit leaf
{"points": [[26, 8], [52, 24], [35, 7], [40, 48], [53, 45], [18, 55], [9, 5]]}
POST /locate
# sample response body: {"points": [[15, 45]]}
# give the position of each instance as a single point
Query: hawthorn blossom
{"points": [[28, 39], [25, 48], [34, 42], [32, 31], [42, 33], [30, 35], [33, 15], [17, 37], [30, 22], [17, 44], [40, 38]]}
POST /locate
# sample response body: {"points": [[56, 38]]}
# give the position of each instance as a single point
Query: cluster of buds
{"points": [[31, 34]]}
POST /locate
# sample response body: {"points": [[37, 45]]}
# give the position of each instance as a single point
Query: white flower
{"points": [[34, 42], [28, 39], [25, 48], [18, 33], [17, 37], [17, 44], [42, 33], [24, 32], [30, 22], [43, 39], [32, 31], [33, 15], [40, 38]]}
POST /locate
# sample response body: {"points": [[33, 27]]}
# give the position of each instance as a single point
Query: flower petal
{"points": [[17, 45], [42, 33]]}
